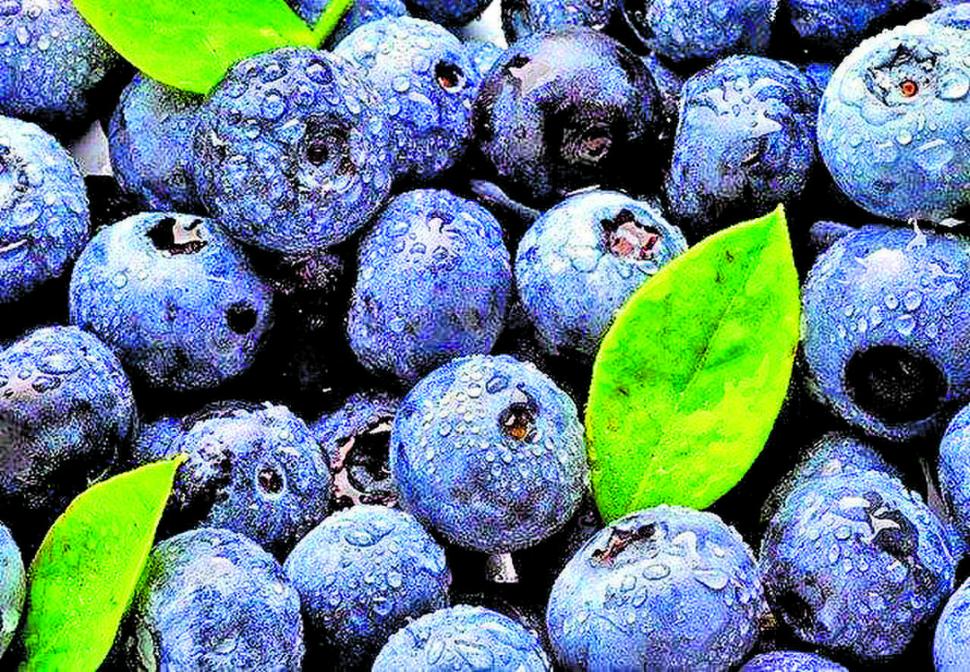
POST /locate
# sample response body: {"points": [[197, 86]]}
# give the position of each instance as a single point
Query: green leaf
{"points": [[691, 376], [191, 44], [87, 569]]}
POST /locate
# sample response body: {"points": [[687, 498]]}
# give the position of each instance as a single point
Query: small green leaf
{"points": [[87, 569], [191, 44], [691, 376]]}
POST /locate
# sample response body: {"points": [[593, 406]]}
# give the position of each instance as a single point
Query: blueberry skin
{"points": [[884, 328], [254, 469], [213, 600], [174, 297], [360, 12], [448, 13], [150, 138], [66, 409], [953, 14], [489, 453], [670, 84], [429, 84], [951, 643], [292, 151], [483, 55], [51, 63], [687, 30], [13, 587], [893, 120], [791, 661], [384, 569], [745, 141], [463, 639], [581, 261], [44, 215], [855, 564], [522, 18], [433, 283], [954, 469], [582, 109], [839, 25], [155, 441], [667, 588]]}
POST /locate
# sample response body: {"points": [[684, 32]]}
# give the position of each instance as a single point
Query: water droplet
{"points": [[912, 300], [954, 86]]}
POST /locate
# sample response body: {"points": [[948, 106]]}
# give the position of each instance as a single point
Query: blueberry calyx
{"points": [[241, 318], [518, 421], [172, 236], [270, 481], [620, 539], [895, 385], [627, 238], [449, 76]]}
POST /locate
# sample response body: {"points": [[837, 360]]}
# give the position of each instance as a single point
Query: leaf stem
{"points": [[332, 13]]}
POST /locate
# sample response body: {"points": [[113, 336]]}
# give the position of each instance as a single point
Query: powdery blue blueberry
{"points": [[667, 588], [522, 18], [951, 643], [293, 151], [66, 409], [356, 439], [52, 63], [791, 661], [892, 127], [953, 14], [428, 83], [174, 297], [43, 208], [433, 282], [856, 564], [213, 600], [685, 30], [883, 328], [566, 110], [155, 441], [954, 469], [449, 13], [839, 25], [253, 469], [484, 55], [150, 138], [489, 453], [360, 12], [581, 260], [13, 587], [363, 574], [745, 141], [463, 639]]}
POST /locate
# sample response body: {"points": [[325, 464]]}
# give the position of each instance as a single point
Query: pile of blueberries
{"points": [[361, 289]]}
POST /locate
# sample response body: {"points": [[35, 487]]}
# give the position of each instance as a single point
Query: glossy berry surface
{"points": [[581, 108], [44, 214], [292, 151], [363, 574], [174, 297], [954, 469], [489, 453], [361, 12], [428, 83], [666, 588], [579, 263], [449, 13], [463, 639], [522, 18], [836, 26], [213, 600], [433, 281], [951, 643], [150, 137], [791, 661]]}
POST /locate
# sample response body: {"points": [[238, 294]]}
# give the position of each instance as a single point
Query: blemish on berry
{"points": [[175, 237], [628, 238], [621, 539]]}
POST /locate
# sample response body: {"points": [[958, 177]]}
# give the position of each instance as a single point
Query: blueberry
{"points": [[489, 453], [584, 258], [883, 328], [791, 661], [174, 297], [213, 600], [360, 12], [356, 440], [483, 55], [670, 84], [954, 469], [745, 142], [704, 30], [43, 209], [855, 564], [66, 408], [666, 588], [951, 644], [522, 18], [13, 588], [253, 469], [53, 64], [839, 25], [463, 639], [433, 282], [820, 74], [385, 570], [292, 151], [155, 441], [428, 82], [565, 110], [450, 13], [874, 128], [150, 138]]}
